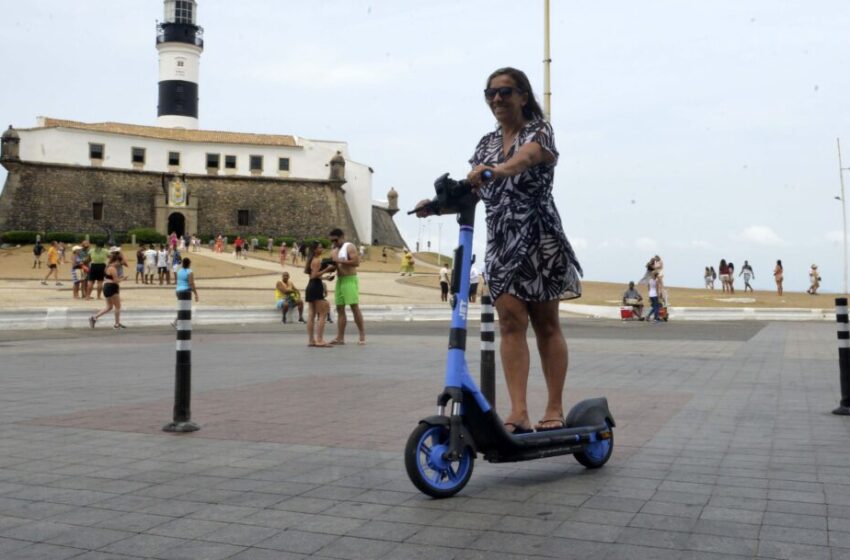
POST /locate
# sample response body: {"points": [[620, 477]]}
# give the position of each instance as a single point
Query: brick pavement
{"points": [[726, 450]]}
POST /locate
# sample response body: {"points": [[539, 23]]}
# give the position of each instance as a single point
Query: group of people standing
{"points": [[727, 277], [342, 265]]}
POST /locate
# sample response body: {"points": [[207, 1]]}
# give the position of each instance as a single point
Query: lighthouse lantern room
{"points": [[180, 42]]}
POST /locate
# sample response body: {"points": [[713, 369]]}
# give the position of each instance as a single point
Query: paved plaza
{"points": [[725, 448]]}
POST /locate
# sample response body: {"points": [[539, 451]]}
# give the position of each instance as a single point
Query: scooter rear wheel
{"points": [[427, 467], [597, 453]]}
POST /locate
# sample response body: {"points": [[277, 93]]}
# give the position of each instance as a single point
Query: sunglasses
{"points": [[504, 92]]}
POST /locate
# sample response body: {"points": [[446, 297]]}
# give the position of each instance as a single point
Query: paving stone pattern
{"points": [[725, 449]]}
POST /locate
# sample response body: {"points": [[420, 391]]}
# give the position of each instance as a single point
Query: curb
{"points": [[712, 313]]}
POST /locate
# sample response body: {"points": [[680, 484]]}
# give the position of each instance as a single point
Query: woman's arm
{"points": [[192, 285]]}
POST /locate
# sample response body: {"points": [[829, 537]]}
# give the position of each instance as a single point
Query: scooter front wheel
{"points": [[596, 454], [427, 466]]}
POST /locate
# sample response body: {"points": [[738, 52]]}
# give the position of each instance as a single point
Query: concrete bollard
{"points": [[488, 348], [843, 355], [182, 421]]}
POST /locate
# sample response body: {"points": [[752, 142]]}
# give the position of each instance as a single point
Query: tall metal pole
{"points": [[843, 209], [547, 62]]}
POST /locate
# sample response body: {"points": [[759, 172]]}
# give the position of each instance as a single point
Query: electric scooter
{"points": [[441, 451]]}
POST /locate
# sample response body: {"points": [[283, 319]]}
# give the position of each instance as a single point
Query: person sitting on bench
{"points": [[632, 297]]}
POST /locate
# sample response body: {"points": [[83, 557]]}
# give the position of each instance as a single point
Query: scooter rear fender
{"points": [[590, 412]]}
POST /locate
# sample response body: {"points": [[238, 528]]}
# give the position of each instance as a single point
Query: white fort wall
{"points": [[308, 160]]}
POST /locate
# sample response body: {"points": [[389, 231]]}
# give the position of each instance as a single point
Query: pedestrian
{"points": [[347, 292], [218, 244], [140, 264], [61, 249], [76, 271], [255, 245], [473, 283], [656, 288], [37, 251], [314, 295], [731, 268], [85, 268], [407, 263], [713, 277], [778, 274], [150, 255], [172, 241], [723, 269], [295, 251], [270, 245], [111, 291], [184, 281], [98, 259], [530, 263], [282, 255], [709, 281], [162, 265], [747, 272], [176, 261], [444, 283], [52, 264], [237, 246], [384, 253], [814, 280]]}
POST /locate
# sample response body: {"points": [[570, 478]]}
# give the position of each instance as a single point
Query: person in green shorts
{"points": [[347, 260]]}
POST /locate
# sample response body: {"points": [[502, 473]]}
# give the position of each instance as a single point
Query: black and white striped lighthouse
{"points": [[180, 42]]}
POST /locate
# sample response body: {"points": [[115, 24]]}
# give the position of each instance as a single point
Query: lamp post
{"points": [[841, 170], [547, 62]]}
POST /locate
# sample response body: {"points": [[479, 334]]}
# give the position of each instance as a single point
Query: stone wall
{"points": [[384, 228], [44, 197]]}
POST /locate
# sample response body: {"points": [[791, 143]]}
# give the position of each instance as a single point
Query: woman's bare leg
{"points": [[554, 358], [513, 349], [311, 319]]}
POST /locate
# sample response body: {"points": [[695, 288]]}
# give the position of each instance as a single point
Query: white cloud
{"points": [[646, 244], [761, 235], [579, 243]]}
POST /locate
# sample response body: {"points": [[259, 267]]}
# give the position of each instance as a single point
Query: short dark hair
{"points": [[531, 109], [187, 262], [336, 232]]}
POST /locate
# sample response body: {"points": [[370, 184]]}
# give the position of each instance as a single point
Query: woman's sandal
{"points": [[517, 429], [540, 428]]}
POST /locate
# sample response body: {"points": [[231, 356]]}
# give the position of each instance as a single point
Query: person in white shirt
{"points": [[473, 283], [150, 264], [444, 283], [162, 265]]}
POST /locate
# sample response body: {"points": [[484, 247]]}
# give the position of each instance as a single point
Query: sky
{"points": [[695, 130]]}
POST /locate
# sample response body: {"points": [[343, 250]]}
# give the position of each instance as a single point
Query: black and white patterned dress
{"points": [[528, 254]]}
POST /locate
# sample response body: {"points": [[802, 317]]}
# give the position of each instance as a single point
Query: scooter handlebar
{"points": [[451, 195]]}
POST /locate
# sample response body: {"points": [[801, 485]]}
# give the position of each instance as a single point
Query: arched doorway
{"points": [[177, 224]]}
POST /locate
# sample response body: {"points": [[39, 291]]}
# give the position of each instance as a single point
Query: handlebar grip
{"points": [[486, 174]]}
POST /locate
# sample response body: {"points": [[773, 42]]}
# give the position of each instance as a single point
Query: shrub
{"points": [[20, 237], [324, 241], [146, 236], [288, 239], [63, 237]]}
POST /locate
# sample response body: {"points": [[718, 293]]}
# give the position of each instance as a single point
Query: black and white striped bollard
{"points": [[183, 368], [843, 355], [488, 349]]}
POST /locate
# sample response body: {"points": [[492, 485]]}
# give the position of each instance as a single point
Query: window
{"points": [[256, 163], [243, 217], [212, 161], [183, 11], [283, 164], [96, 151], [230, 162], [97, 211], [174, 158], [139, 155], [180, 63]]}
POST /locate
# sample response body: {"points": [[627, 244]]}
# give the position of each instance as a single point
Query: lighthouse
{"points": [[180, 42]]}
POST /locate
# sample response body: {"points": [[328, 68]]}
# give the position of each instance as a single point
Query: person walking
{"points": [[184, 281], [656, 288], [473, 283], [111, 291], [282, 255], [709, 280], [237, 245], [52, 264], [814, 280], [97, 269], [778, 276], [150, 255], [140, 264], [270, 245], [748, 274], [314, 295], [444, 283], [162, 265], [218, 244], [37, 251], [731, 269], [407, 263], [347, 293], [530, 264]]}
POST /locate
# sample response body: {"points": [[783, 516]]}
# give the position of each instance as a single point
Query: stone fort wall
{"points": [[47, 197]]}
